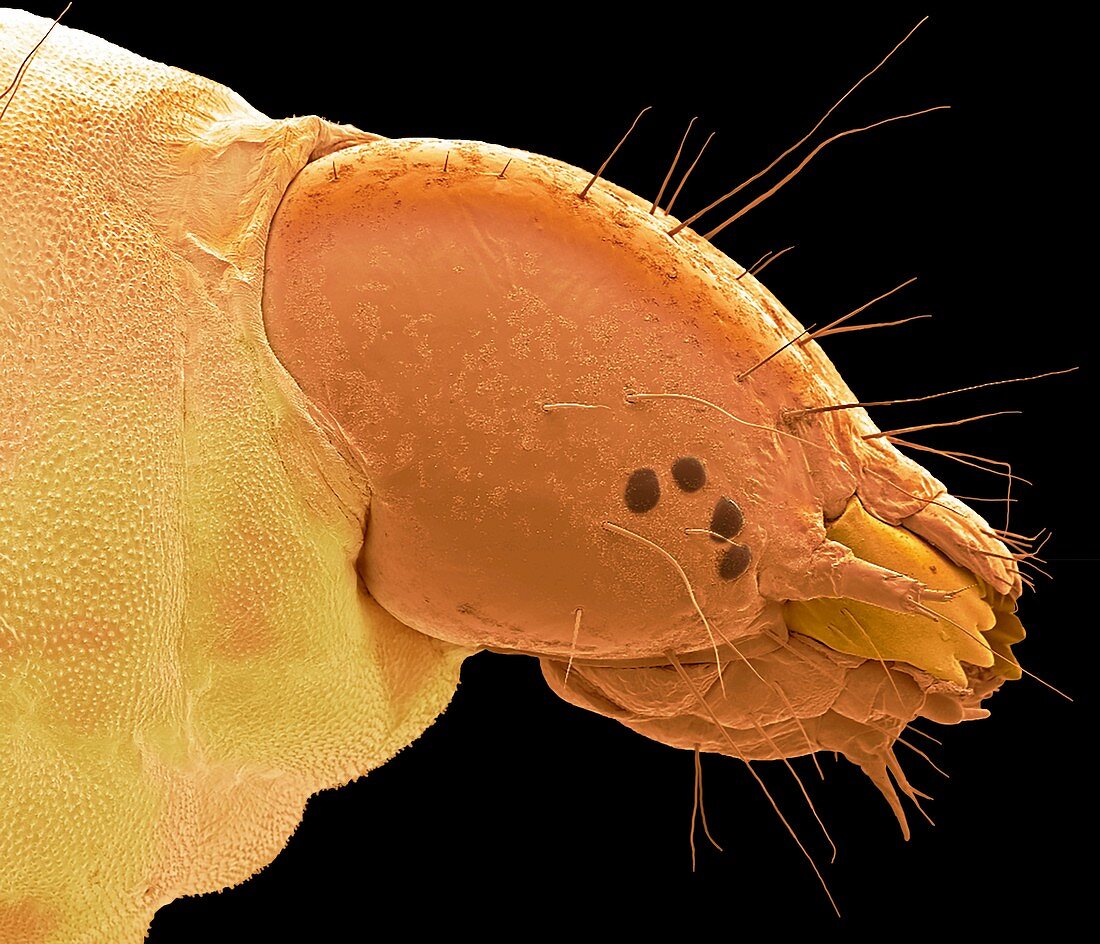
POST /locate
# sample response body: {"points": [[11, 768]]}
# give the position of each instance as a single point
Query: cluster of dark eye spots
{"points": [[643, 491], [689, 473], [726, 523]]}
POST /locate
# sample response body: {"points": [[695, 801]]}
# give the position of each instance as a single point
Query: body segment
{"points": [[169, 520]]}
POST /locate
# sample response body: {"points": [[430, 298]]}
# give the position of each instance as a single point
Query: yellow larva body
{"points": [[170, 519]]}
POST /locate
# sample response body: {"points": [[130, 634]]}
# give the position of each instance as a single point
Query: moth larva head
{"points": [[570, 454], [493, 344]]}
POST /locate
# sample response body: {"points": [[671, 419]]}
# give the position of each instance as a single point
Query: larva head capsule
{"points": [[489, 341], [577, 446]]}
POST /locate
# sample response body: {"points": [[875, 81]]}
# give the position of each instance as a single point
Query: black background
{"points": [[517, 814]]}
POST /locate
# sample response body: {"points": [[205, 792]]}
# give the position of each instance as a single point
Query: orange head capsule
{"points": [[559, 407]]}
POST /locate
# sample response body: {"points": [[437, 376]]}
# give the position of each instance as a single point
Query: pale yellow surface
{"points": [[875, 633], [185, 651]]}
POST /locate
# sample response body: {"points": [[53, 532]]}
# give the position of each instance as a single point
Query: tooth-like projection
{"points": [[958, 532], [938, 639]]}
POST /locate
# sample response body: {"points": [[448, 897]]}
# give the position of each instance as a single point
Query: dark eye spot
{"points": [[734, 562], [727, 518], [643, 491], [689, 473]]}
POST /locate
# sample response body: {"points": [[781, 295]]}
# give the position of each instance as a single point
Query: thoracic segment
{"points": [[190, 655]]}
